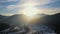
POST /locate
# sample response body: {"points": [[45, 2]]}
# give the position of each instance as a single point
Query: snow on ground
{"points": [[31, 29]]}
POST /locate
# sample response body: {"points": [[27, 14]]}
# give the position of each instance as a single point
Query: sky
{"points": [[10, 7]]}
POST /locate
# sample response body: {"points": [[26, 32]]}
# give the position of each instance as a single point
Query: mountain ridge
{"points": [[52, 21]]}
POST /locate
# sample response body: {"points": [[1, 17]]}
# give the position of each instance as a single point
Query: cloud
{"points": [[55, 4], [8, 0], [50, 11], [22, 3], [11, 7], [43, 2], [11, 0], [39, 2]]}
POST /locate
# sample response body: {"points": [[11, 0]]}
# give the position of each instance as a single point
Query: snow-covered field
{"points": [[29, 29]]}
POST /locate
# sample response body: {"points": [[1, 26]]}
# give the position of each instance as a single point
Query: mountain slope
{"points": [[3, 26], [14, 20], [54, 22], [3, 17], [47, 23]]}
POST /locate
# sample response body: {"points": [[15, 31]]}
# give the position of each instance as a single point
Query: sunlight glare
{"points": [[29, 9]]}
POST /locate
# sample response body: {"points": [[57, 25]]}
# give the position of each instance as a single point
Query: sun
{"points": [[29, 9]]}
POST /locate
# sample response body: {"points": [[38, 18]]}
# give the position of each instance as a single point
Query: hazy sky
{"points": [[9, 7]]}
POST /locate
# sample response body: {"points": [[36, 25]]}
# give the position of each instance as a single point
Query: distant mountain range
{"points": [[13, 19], [52, 21], [3, 17]]}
